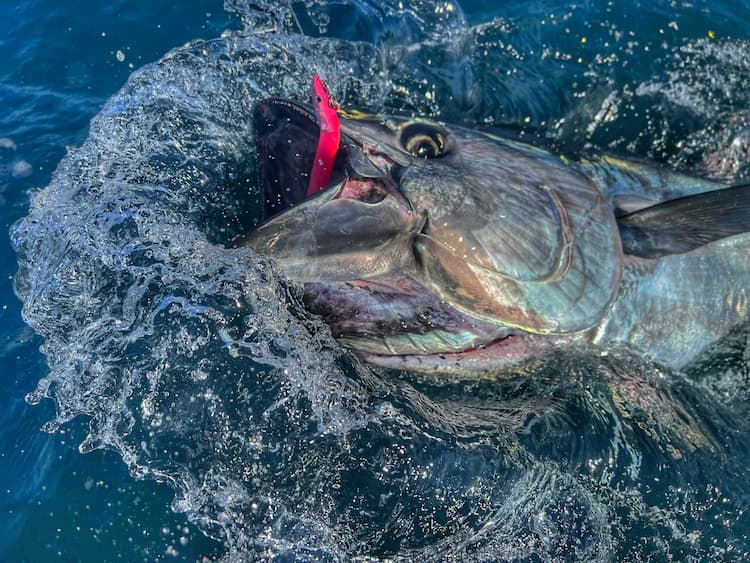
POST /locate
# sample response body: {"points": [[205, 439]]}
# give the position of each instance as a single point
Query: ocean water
{"points": [[168, 398]]}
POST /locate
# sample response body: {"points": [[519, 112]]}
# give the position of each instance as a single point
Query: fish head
{"points": [[434, 241]]}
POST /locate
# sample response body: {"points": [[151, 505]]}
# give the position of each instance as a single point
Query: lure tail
{"points": [[328, 141]]}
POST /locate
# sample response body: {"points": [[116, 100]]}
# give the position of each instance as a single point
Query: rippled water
{"points": [[193, 365]]}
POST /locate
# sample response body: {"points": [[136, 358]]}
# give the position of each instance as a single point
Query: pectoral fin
{"points": [[683, 224]]}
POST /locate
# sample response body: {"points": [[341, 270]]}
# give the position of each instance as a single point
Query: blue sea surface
{"points": [[60, 65], [168, 398]]}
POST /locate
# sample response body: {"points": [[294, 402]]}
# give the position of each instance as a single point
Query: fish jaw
{"points": [[394, 322], [337, 239], [394, 315], [493, 357]]}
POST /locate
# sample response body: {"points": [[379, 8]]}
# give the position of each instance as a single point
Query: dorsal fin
{"points": [[683, 224]]}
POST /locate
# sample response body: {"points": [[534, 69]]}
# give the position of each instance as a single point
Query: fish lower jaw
{"points": [[496, 355]]}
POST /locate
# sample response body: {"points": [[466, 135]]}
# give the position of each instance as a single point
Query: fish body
{"points": [[440, 249]]}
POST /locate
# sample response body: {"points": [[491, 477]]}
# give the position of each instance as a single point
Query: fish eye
{"points": [[423, 141]]}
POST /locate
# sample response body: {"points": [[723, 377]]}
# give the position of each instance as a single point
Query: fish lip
{"points": [[510, 350]]}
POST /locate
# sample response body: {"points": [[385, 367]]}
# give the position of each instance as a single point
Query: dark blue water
{"points": [[220, 420], [59, 66]]}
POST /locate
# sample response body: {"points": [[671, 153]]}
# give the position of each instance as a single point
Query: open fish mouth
{"points": [[286, 135], [351, 228]]}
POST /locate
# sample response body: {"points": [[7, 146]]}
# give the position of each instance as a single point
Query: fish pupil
{"points": [[426, 150]]}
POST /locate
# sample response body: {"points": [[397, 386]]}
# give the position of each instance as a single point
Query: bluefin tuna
{"points": [[440, 249]]}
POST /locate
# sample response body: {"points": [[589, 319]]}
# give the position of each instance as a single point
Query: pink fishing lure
{"points": [[328, 142]]}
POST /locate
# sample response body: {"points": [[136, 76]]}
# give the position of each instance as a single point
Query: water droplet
{"points": [[21, 169]]}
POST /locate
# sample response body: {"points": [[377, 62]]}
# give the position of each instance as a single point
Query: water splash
{"points": [[196, 362]]}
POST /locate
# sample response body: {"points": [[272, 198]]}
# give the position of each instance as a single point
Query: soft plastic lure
{"points": [[328, 142]]}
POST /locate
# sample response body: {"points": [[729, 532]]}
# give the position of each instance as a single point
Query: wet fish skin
{"points": [[440, 244]]}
